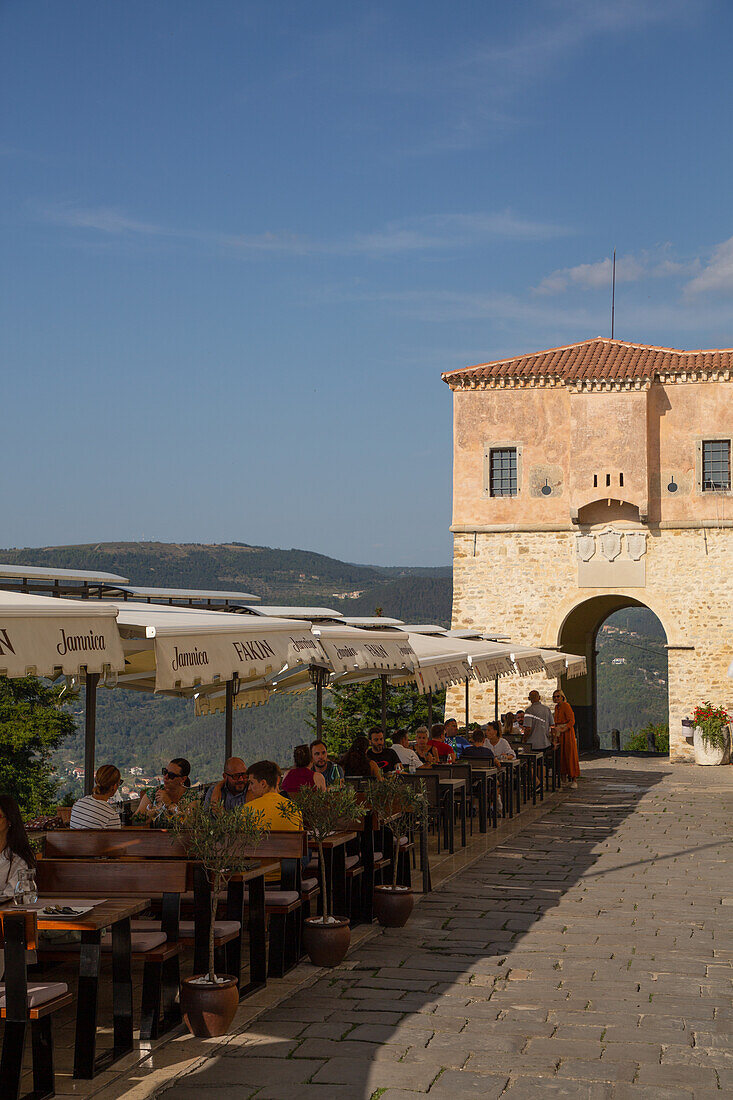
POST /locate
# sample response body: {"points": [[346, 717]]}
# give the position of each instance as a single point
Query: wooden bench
{"points": [[158, 950], [284, 913], [23, 1003]]}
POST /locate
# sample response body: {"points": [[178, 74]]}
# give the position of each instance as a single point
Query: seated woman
{"points": [[508, 725], [16, 856], [356, 762], [167, 797], [499, 745], [93, 811], [422, 746], [303, 774]]}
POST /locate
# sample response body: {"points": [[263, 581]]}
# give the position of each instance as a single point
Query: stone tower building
{"points": [[591, 478]]}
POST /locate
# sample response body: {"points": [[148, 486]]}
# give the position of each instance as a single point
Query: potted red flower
{"points": [[712, 734]]}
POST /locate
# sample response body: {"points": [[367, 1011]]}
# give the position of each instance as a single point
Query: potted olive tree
{"points": [[399, 806], [712, 734], [322, 812], [222, 841]]}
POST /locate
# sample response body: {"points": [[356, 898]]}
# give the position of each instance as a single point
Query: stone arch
{"points": [[575, 628]]}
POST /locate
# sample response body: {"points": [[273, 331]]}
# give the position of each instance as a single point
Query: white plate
{"points": [[76, 911]]}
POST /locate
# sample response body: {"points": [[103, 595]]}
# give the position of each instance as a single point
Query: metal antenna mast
{"points": [[613, 293]]}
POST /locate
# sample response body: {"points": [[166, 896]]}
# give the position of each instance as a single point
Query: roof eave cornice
{"points": [[578, 385]]}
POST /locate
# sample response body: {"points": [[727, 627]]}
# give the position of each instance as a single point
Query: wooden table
{"points": [[511, 772], [535, 759], [115, 913], [254, 879]]}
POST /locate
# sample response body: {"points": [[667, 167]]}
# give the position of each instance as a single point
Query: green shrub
{"points": [[638, 742]]}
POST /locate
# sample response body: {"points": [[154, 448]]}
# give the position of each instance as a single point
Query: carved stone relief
{"points": [[636, 544], [585, 546], [610, 542]]}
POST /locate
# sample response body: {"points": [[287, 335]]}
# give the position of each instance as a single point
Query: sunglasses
{"points": [[168, 774], [236, 775]]}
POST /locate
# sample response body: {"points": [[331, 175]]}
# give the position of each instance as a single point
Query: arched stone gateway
{"points": [[577, 633], [588, 479]]}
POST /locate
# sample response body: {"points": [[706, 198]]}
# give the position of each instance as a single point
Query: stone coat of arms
{"points": [[636, 544], [585, 546], [610, 544]]}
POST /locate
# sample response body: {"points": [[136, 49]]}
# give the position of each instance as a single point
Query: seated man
{"points": [[264, 777], [332, 772], [386, 759], [231, 790], [479, 749], [457, 738], [538, 722], [439, 745], [408, 757]]}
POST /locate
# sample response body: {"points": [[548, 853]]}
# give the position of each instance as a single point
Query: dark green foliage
{"points": [[398, 806], [134, 728], [638, 742], [353, 710], [412, 599], [322, 812], [634, 694], [33, 722]]}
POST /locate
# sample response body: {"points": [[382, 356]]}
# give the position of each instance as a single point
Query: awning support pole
{"points": [[319, 710], [467, 702], [228, 720], [90, 729], [384, 704], [496, 698], [430, 712]]}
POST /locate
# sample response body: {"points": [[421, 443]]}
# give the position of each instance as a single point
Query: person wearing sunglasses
{"points": [[231, 790], [166, 798]]}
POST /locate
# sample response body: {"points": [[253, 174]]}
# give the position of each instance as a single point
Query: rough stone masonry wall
{"points": [[524, 584]]}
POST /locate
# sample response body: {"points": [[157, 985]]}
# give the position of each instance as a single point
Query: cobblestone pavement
{"points": [[588, 956]]}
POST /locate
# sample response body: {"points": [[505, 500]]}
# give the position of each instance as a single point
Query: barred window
{"points": [[715, 465], [503, 472]]}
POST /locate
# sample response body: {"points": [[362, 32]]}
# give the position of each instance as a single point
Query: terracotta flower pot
{"points": [[326, 944], [208, 1010], [393, 905]]}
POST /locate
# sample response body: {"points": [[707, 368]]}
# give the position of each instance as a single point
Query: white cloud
{"points": [[434, 232], [717, 274], [654, 264]]}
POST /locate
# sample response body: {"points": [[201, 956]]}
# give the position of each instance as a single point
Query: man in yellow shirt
{"points": [[264, 780]]}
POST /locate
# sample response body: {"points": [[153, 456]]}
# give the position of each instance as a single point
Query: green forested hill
{"points": [[277, 576], [632, 692]]}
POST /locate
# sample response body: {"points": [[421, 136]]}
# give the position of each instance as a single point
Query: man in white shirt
{"points": [[538, 721], [408, 757]]}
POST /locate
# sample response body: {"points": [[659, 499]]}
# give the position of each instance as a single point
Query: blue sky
{"points": [[240, 242]]}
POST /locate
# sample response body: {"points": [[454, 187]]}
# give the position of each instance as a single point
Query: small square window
{"points": [[715, 465], [503, 472]]}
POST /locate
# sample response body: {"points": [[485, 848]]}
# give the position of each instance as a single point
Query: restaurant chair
{"points": [[23, 1003]]}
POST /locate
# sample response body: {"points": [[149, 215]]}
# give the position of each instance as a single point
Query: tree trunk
{"points": [[395, 857], [322, 868], [214, 900]]}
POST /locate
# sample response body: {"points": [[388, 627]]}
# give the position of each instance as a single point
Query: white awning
{"points": [[45, 636], [440, 663], [350, 650], [192, 648], [215, 702], [555, 663], [577, 666], [527, 659], [488, 659]]}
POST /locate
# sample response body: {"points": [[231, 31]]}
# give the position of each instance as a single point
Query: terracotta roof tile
{"points": [[597, 360]]}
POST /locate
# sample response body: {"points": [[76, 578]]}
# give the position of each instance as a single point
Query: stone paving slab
{"points": [[587, 956]]}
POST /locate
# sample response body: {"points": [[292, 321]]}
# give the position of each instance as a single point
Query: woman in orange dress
{"points": [[569, 764]]}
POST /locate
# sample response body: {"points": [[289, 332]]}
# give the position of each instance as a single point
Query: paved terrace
{"points": [[589, 955]]}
